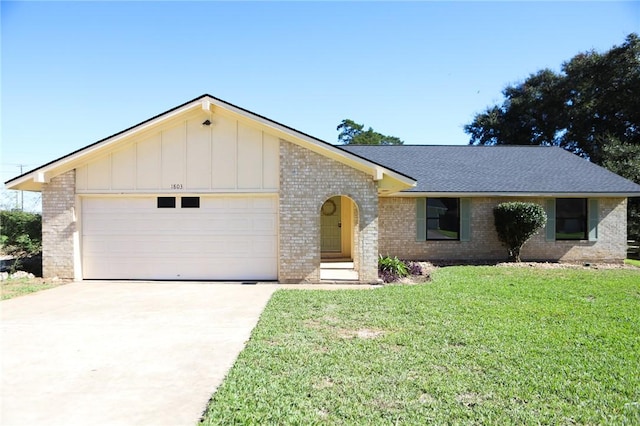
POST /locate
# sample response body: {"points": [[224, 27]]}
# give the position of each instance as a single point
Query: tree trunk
{"points": [[514, 254]]}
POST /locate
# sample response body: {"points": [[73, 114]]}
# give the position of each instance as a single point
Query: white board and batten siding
{"points": [[228, 156], [231, 167]]}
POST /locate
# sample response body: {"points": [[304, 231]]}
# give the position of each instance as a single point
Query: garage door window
{"points": [[190, 202], [166, 202]]}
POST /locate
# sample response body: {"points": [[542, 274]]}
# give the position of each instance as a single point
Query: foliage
{"points": [[19, 287], [590, 108], [595, 99], [632, 262], [479, 345], [624, 160], [352, 133], [413, 268], [391, 268], [516, 222], [20, 233]]}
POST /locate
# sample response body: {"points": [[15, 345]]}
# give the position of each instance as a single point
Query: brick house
{"points": [[211, 191]]}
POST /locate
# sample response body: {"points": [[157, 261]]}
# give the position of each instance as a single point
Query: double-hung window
{"points": [[572, 219], [442, 218]]}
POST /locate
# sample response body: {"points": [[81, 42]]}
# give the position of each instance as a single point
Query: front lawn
{"points": [[21, 286], [477, 345], [632, 262]]}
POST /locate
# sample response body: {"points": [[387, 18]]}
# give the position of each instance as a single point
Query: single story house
{"points": [[212, 191]]}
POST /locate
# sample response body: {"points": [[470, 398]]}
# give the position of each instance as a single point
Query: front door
{"points": [[331, 226]]}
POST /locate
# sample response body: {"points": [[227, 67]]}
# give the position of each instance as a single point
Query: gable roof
{"points": [[497, 170], [388, 180]]}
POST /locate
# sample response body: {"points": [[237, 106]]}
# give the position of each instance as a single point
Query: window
{"points": [[190, 202], [443, 218], [571, 219], [166, 202]]}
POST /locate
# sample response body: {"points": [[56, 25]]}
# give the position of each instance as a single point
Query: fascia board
{"points": [[316, 145], [68, 162], [519, 194]]}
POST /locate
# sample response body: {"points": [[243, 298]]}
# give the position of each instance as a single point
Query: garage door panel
{"points": [[227, 238]]}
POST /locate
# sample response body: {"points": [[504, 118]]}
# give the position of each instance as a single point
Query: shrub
{"points": [[391, 268], [20, 233], [516, 222]]}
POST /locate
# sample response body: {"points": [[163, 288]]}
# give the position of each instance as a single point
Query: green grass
{"points": [[22, 286], [477, 345], [632, 262]]}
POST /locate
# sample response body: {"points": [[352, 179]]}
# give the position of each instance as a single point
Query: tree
{"points": [[590, 108], [516, 222], [20, 233], [352, 133]]}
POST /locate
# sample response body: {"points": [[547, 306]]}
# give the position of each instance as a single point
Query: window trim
{"points": [[583, 219], [592, 219], [464, 216]]}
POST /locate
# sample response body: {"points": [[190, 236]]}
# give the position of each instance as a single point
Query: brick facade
{"points": [[307, 180], [58, 226], [397, 224]]}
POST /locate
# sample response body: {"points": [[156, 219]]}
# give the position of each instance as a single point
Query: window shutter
{"points": [[550, 209], [421, 219], [593, 219], [465, 219]]}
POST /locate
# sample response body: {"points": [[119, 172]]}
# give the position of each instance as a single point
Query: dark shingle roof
{"points": [[495, 169]]}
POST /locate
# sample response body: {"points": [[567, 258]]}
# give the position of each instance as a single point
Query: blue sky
{"points": [[76, 72]]}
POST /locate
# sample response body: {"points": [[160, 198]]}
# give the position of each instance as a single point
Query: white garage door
{"points": [[179, 238]]}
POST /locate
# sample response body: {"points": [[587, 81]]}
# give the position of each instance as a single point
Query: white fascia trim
{"points": [[518, 194], [325, 146], [38, 174]]}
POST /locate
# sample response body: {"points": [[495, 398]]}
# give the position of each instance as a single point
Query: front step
{"points": [[338, 271]]}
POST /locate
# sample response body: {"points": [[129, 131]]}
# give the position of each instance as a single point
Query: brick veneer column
{"points": [[307, 179], [58, 226]]}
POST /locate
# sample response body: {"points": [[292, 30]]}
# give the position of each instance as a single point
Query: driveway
{"points": [[122, 353]]}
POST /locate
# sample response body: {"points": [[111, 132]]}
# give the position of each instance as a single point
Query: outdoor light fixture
{"points": [[206, 122]]}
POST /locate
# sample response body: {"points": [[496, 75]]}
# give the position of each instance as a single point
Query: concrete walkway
{"points": [[119, 353]]}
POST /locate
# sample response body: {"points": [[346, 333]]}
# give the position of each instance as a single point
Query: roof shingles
{"points": [[495, 169]]}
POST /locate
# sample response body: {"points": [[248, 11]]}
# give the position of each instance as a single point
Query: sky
{"points": [[76, 72]]}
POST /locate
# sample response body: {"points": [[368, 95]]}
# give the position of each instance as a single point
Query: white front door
{"points": [[180, 238]]}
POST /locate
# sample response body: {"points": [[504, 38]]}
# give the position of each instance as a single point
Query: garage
{"points": [[179, 237]]}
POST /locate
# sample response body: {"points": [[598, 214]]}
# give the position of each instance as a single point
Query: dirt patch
{"points": [[363, 333], [469, 399], [428, 268], [558, 265]]}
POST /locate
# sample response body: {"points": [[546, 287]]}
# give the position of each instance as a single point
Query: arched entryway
{"points": [[338, 239]]}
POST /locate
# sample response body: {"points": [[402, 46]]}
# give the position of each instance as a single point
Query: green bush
{"points": [[516, 222], [391, 268], [20, 233]]}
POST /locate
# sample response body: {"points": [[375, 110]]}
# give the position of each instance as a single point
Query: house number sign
{"points": [[176, 186]]}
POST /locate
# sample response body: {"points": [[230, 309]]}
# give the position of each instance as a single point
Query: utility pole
{"points": [[21, 192]]}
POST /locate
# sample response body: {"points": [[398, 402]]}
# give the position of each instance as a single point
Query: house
{"points": [[212, 191]]}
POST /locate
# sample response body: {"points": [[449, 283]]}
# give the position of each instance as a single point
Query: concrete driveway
{"points": [[122, 353]]}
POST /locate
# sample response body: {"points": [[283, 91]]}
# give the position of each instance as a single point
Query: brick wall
{"points": [[398, 235], [307, 179], [58, 226]]}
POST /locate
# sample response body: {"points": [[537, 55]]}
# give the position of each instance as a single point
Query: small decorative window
{"points": [[166, 202], [571, 219], [443, 218], [190, 202]]}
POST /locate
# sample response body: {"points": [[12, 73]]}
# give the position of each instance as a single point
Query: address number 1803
{"points": [[176, 186]]}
